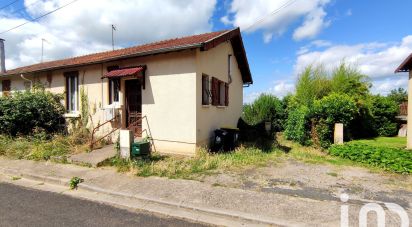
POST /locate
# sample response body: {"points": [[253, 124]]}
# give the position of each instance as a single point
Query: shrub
{"points": [[266, 107], [298, 125], [334, 108], [24, 113], [391, 159], [384, 111]]}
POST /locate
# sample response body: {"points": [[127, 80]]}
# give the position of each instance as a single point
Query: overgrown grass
{"points": [[202, 163], [391, 142], [43, 148]]}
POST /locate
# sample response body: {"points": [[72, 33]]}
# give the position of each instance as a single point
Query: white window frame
{"points": [[70, 108]]}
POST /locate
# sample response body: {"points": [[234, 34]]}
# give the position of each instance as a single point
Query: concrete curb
{"points": [[234, 216]]}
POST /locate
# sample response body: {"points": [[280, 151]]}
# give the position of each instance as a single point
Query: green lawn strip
{"points": [[392, 142]]}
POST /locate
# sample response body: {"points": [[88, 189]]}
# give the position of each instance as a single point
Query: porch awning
{"points": [[118, 73]]}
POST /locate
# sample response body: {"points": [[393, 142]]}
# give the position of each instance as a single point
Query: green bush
{"points": [[298, 125], [31, 112], [391, 159], [266, 107], [384, 111], [334, 108]]}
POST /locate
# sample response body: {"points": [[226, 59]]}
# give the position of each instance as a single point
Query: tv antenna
{"points": [[113, 29], [42, 47]]}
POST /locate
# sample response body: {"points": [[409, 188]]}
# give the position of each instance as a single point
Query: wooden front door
{"points": [[134, 106]]}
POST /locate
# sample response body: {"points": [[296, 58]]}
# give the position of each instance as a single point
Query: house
{"points": [[178, 91], [406, 66]]}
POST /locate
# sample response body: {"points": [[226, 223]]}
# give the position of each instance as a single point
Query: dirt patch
{"points": [[324, 182]]}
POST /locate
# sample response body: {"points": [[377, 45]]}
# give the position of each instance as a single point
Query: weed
{"points": [[74, 182], [15, 178], [332, 174]]}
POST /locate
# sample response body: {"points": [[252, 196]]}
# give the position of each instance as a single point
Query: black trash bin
{"points": [[219, 140], [226, 139], [231, 139]]}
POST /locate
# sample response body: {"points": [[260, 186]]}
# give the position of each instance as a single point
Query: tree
{"points": [[399, 95]]}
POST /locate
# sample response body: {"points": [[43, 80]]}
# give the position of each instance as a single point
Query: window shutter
{"points": [[226, 94], [215, 91]]}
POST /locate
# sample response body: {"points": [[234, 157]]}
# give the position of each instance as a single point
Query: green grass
{"points": [[39, 148], [391, 142]]}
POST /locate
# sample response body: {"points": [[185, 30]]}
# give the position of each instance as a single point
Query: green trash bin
{"points": [[141, 148]]}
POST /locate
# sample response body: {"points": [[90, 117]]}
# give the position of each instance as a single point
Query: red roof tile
{"points": [[170, 44], [123, 72], [203, 41]]}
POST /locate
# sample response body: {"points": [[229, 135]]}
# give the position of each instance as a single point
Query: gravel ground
{"points": [[319, 181]]}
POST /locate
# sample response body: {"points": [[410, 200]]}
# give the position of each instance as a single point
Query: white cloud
{"points": [[314, 23], [384, 86], [280, 89], [244, 13], [376, 60], [85, 26]]}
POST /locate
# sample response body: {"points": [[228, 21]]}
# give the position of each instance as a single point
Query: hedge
{"points": [[391, 159]]}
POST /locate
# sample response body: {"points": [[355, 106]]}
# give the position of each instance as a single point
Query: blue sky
{"points": [[373, 35]]}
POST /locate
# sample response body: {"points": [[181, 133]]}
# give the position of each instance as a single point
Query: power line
{"points": [[37, 18], [288, 3], [11, 3]]}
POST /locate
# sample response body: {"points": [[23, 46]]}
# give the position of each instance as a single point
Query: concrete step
{"points": [[94, 158]]}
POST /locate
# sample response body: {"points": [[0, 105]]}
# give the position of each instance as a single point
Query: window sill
{"points": [[221, 107], [72, 115], [205, 106]]}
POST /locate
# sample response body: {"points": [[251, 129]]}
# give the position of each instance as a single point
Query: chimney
{"points": [[2, 57]]}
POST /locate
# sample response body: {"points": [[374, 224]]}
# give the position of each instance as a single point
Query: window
{"points": [[72, 91], [114, 87], [220, 92], [6, 87], [205, 90]]}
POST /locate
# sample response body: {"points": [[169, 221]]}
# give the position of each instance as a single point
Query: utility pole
{"points": [[113, 29], [42, 48]]}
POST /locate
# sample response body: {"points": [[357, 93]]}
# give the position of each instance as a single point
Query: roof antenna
{"points": [[42, 47], [113, 29]]}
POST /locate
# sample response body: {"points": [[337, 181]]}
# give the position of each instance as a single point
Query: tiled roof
{"points": [[156, 47]]}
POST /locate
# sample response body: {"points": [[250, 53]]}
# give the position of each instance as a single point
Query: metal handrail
{"points": [[140, 117], [148, 127], [93, 142]]}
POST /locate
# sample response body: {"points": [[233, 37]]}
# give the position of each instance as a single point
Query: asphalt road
{"points": [[27, 207]]}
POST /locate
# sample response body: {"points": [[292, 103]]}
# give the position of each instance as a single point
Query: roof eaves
{"points": [[139, 54], [402, 66]]}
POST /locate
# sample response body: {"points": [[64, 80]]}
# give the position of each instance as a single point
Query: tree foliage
{"points": [[266, 107], [24, 113]]}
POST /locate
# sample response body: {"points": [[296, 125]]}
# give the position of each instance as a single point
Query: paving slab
{"points": [[95, 157]]}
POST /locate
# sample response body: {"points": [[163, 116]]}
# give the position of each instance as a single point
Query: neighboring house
{"points": [[185, 87], [406, 66]]}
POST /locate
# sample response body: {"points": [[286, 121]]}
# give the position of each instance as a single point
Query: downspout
{"points": [[229, 69], [31, 82]]}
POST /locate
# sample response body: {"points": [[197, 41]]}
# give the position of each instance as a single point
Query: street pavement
{"points": [[28, 207]]}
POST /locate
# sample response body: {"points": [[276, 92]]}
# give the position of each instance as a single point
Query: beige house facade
{"points": [[175, 91]]}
